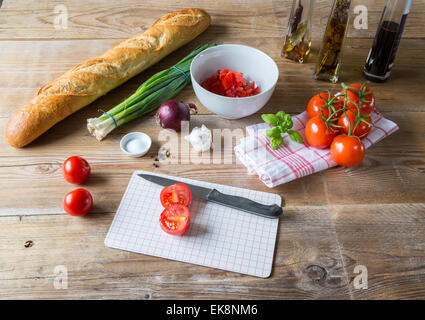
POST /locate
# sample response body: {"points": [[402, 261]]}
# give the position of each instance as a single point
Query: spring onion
{"points": [[148, 97]]}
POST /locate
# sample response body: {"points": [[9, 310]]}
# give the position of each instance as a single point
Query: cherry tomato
{"points": [[318, 135], [317, 106], [78, 202], [75, 170], [365, 99], [348, 119], [175, 219], [178, 193], [347, 150]]}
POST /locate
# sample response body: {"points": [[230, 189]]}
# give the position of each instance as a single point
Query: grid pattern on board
{"points": [[218, 236]]}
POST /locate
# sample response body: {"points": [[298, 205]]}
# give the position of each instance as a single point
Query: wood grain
{"points": [[42, 61], [105, 273], [371, 215], [318, 266], [401, 175], [96, 19]]}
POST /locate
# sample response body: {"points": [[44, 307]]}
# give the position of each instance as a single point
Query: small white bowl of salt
{"points": [[135, 144]]}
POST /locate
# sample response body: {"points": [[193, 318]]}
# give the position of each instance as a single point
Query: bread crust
{"points": [[95, 77]]}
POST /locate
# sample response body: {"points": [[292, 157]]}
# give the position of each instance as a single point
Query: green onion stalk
{"points": [[148, 97]]}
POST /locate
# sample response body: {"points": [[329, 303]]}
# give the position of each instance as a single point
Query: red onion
{"points": [[171, 113]]}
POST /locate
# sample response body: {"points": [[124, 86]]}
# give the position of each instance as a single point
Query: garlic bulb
{"points": [[200, 138]]}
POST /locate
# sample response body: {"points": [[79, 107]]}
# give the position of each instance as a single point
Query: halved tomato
{"points": [[175, 219], [178, 193]]}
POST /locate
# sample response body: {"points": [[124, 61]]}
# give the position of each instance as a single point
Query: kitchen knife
{"points": [[241, 203]]}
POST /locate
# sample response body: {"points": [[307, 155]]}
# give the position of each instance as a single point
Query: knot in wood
{"points": [[316, 273], [28, 244]]}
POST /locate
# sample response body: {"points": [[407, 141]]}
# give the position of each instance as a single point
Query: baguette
{"points": [[93, 78]]}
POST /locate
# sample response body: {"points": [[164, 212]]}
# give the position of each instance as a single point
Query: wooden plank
{"points": [[33, 174], [389, 241], [334, 220], [25, 66], [99, 19], [304, 267]]}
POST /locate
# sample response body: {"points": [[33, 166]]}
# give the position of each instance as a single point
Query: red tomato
{"points": [[228, 80], [239, 80], [231, 84], [318, 106], [222, 73], [317, 134], [75, 170], [314, 106], [364, 98], [175, 219], [178, 193], [78, 202], [360, 129], [347, 151]]}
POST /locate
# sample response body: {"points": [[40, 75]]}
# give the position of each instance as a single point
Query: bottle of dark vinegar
{"points": [[382, 54]]}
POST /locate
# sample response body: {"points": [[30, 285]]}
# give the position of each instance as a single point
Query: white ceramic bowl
{"points": [[253, 63], [141, 139]]}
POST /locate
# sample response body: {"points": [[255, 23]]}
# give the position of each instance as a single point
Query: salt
{"points": [[135, 146]]}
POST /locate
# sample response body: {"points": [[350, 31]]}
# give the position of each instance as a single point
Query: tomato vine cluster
{"points": [[340, 121]]}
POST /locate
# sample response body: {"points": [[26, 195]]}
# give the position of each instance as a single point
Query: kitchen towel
{"points": [[294, 160]]}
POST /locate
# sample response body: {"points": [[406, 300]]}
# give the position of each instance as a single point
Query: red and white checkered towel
{"points": [[293, 160]]}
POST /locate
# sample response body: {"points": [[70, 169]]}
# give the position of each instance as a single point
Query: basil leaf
{"points": [[281, 116], [295, 136], [276, 142], [273, 133], [288, 121], [271, 119]]}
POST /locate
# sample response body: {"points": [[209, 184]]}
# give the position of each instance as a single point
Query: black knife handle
{"points": [[268, 211]]}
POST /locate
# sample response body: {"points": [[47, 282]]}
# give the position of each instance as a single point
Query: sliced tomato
{"points": [[178, 193], [175, 219]]}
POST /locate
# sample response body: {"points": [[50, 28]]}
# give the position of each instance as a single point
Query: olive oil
{"points": [[298, 39], [330, 56]]}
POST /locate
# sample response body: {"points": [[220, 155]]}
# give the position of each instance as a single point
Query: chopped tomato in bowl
{"points": [[230, 83]]}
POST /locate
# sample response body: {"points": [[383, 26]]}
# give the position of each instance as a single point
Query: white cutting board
{"points": [[218, 236]]}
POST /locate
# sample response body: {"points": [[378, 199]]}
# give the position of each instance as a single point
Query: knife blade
{"points": [[213, 195]]}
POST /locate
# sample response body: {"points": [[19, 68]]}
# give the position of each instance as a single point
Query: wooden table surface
{"points": [[371, 215]]}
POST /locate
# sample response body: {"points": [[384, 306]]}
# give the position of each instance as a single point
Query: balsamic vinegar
{"points": [[382, 54]]}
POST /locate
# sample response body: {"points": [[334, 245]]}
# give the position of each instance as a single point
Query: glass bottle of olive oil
{"points": [[298, 34], [330, 56]]}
